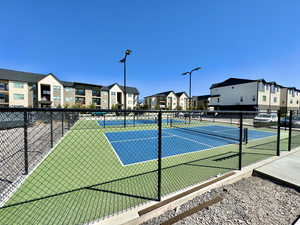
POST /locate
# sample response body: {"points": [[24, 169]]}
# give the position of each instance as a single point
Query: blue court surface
{"points": [[132, 122], [140, 146]]}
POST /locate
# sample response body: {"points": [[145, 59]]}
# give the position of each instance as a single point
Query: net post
{"points": [[62, 124], [159, 154], [241, 141], [278, 132], [51, 129], [103, 120], [290, 130], [25, 143], [246, 135]]}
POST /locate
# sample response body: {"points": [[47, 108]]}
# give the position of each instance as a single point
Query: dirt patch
{"points": [[249, 201]]}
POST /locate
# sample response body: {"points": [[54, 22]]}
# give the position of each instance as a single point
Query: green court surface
{"points": [[82, 180]]}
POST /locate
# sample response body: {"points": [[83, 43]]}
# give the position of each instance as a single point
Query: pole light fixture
{"points": [[190, 83], [123, 60]]}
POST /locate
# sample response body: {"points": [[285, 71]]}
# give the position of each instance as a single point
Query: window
{"points": [[80, 92], [113, 93], [18, 96], [56, 88], [275, 99], [56, 97], [253, 98], [232, 87], [129, 102], [267, 87], [297, 102], [68, 89], [218, 99], [241, 99], [264, 98], [129, 95], [18, 85], [291, 102], [96, 93], [3, 86]]}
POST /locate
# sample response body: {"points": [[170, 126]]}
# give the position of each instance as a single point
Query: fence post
{"points": [[51, 129], [241, 141], [159, 154], [69, 121], [25, 143], [278, 132], [290, 130], [62, 124]]}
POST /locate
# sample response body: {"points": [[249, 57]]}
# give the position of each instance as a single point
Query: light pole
{"points": [[123, 60], [190, 89]]}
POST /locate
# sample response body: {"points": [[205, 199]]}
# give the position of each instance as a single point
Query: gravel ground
{"points": [[249, 201]]}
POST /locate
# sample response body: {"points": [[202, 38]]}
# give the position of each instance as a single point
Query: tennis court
{"points": [[139, 146]]}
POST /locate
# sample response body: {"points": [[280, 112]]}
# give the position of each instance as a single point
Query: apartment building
{"points": [[167, 100], [260, 95], [24, 89], [202, 102]]}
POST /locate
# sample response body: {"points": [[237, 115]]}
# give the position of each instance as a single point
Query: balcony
{"points": [[4, 99], [80, 100], [96, 101]]}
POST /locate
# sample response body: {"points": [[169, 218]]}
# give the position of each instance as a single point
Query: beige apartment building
{"points": [[24, 89], [260, 95], [167, 100]]}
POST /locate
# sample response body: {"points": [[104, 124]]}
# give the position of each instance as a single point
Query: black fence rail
{"points": [[75, 166]]}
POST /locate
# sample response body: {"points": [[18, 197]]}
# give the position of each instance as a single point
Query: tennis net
{"points": [[231, 133]]}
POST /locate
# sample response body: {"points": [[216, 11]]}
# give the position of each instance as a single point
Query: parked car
{"points": [[265, 119], [285, 122]]}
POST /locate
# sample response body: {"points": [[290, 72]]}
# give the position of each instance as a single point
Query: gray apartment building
{"points": [[25, 89]]}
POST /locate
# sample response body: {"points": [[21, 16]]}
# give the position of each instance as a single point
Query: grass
{"points": [[61, 184]]}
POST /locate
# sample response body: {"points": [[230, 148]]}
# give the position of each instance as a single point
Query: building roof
{"points": [[15, 75], [161, 94], [20, 76], [232, 81], [178, 94], [129, 90]]}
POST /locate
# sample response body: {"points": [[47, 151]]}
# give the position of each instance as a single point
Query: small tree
{"points": [[179, 107], [92, 106], [157, 107]]}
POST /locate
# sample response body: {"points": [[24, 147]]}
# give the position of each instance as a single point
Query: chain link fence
{"points": [[72, 166]]}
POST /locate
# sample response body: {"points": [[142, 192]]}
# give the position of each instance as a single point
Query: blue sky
{"points": [[83, 41]]}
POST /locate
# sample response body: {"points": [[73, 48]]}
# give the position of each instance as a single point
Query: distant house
{"points": [[182, 100], [163, 100], [245, 94], [25, 89]]}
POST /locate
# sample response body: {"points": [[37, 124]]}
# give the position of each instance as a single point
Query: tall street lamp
{"points": [[190, 89], [123, 60]]}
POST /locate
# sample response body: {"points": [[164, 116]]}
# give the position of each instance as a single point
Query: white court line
{"points": [[192, 140], [138, 139]]}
